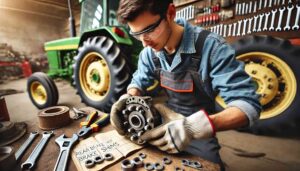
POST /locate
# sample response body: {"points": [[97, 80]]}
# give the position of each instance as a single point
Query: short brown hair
{"points": [[130, 9]]}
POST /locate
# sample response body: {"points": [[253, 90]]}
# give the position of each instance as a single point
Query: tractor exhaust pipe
{"points": [[71, 21]]}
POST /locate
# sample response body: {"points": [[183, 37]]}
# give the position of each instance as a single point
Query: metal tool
{"points": [[261, 16], [93, 123], [288, 20], [243, 8], [234, 29], [283, 2], [78, 113], [281, 10], [225, 30], [260, 5], [229, 30], [250, 7], [65, 145], [255, 6], [266, 21], [296, 25], [249, 26], [270, 3], [25, 145], [246, 8], [265, 4], [236, 8], [273, 19], [244, 26], [255, 23], [239, 28], [221, 29], [30, 162], [193, 164], [240, 9]]}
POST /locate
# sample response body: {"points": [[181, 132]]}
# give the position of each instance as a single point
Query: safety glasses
{"points": [[150, 33]]}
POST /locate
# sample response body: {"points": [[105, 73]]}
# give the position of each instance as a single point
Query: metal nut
{"points": [[178, 169], [167, 160], [138, 162], [148, 166], [108, 156], [142, 155], [158, 166], [98, 159], [89, 163], [126, 165]]}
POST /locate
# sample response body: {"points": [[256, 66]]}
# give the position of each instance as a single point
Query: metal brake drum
{"points": [[54, 117], [7, 158]]}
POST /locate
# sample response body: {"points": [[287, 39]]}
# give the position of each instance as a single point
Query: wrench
{"points": [[244, 27], [296, 25], [288, 20], [266, 3], [224, 31], [239, 28], [250, 26], [236, 8], [260, 5], [254, 24], [281, 10], [266, 21], [283, 2], [65, 145], [229, 30], [221, 29], [30, 162], [261, 16], [246, 9], [273, 19], [240, 9], [254, 8], [218, 28], [25, 145], [250, 7], [234, 28], [270, 3], [243, 8]]}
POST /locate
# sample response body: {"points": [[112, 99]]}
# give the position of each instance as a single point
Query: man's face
{"points": [[152, 30]]}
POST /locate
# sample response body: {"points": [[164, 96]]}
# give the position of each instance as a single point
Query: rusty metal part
{"points": [[89, 163], [193, 164], [11, 132], [138, 162], [54, 117], [138, 116], [108, 156], [149, 166], [126, 165], [158, 167], [4, 115], [166, 160], [7, 159], [25, 145]]}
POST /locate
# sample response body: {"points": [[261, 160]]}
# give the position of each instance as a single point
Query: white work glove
{"points": [[177, 131], [116, 112]]}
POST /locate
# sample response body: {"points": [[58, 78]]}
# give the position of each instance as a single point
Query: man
{"points": [[192, 66]]}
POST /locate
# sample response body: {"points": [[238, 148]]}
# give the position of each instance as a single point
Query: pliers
{"points": [[93, 123]]}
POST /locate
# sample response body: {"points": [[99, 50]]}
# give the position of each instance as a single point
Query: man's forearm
{"points": [[134, 92], [229, 118]]}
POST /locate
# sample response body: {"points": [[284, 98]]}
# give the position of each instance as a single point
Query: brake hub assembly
{"points": [[138, 117]]}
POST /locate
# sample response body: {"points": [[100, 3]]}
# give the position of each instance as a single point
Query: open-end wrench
{"points": [[266, 21], [283, 2], [244, 26], [272, 20], [296, 25], [266, 3], [243, 8], [65, 145], [218, 29], [30, 162], [246, 9], [225, 30], [281, 10], [255, 6], [25, 145], [270, 3], [229, 30], [260, 5], [288, 20], [221, 29], [255, 23], [239, 28], [249, 26], [250, 7], [261, 17], [240, 9], [234, 29], [236, 8]]}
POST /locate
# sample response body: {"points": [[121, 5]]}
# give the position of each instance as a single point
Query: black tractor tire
{"points": [[280, 114], [100, 55], [42, 90]]}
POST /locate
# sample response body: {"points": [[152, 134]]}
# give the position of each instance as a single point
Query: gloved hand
{"points": [[177, 131], [116, 111]]}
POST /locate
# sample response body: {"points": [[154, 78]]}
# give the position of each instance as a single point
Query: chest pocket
{"points": [[177, 82]]}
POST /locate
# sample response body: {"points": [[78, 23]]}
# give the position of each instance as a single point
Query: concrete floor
{"points": [[281, 154]]}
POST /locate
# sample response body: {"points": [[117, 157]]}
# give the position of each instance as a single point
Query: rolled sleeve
{"points": [[251, 113]]}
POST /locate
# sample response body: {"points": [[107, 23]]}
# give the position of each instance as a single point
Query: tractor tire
{"points": [[273, 63], [101, 74], [42, 90]]}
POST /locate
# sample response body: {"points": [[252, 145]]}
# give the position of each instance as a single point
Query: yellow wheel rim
{"points": [[38, 93], [94, 76], [275, 81]]}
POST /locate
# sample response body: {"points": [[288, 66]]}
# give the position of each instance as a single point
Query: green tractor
{"points": [[101, 60]]}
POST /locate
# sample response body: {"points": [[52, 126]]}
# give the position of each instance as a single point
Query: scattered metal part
{"points": [[273, 19], [244, 27], [78, 114], [138, 162], [281, 10], [239, 28], [11, 131], [296, 25], [108, 156], [25, 145], [166, 160], [249, 26], [142, 155], [261, 16], [98, 159], [65, 145], [288, 20], [266, 21], [30, 162], [158, 166], [89, 163], [126, 165], [255, 23], [193, 164], [149, 166]]}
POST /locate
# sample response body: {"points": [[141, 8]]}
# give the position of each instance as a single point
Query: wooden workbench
{"points": [[48, 158]]}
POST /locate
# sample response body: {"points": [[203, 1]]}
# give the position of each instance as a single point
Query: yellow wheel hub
{"points": [[276, 82], [94, 76], [38, 92]]}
